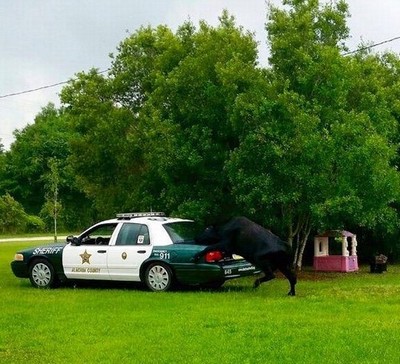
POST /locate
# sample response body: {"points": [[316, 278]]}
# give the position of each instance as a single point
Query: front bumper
{"points": [[20, 269]]}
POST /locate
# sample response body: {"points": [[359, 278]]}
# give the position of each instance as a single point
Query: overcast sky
{"points": [[46, 42]]}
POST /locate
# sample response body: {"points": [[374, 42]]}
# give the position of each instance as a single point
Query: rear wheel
{"points": [[41, 274], [158, 277]]}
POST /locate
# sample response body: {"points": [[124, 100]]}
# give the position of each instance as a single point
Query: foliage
{"points": [[321, 153], [104, 164], [26, 167], [13, 217], [34, 224], [52, 206], [233, 324], [159, 127], [12, 214]]}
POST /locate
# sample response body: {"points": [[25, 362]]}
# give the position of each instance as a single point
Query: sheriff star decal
{"points": [[85, 257]]}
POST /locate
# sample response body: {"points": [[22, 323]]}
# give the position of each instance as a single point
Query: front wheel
{"points": [[158, 277], [41, 274]]}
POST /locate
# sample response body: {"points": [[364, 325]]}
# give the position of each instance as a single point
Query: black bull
{"points": [[254, 243]]}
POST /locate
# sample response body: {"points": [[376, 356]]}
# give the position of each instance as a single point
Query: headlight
{"points": [[19, 257]]}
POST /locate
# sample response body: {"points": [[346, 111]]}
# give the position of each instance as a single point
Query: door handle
{"points": [[102, 251], [141, 251]]}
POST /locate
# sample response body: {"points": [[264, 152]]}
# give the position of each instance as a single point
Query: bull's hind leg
{"points": [[292, 278]]}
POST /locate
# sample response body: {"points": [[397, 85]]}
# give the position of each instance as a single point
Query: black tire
{"points": [[158, 277], [41, 274]]}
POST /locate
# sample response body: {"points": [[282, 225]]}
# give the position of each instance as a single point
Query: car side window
{"points": [[100, 235], [133, 234]]}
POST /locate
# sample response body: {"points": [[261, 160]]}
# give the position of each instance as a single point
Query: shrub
{"points": [[13, 217]]}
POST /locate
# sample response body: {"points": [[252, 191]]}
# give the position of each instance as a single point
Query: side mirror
{"points": [[73, 240]]}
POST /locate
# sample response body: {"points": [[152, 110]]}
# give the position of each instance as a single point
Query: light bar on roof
{"points": [[128, 215]]}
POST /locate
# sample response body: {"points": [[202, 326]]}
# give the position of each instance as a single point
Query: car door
{"points": [[132, 247], [88, 258]]}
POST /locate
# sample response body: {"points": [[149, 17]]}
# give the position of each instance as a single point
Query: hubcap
{"points": [[158, 278], [41, 274]]}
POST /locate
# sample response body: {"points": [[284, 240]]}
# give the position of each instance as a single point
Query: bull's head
{"points": [[209, 236]]}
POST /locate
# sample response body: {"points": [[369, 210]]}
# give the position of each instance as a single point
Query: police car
{"points": [[139, 247]]}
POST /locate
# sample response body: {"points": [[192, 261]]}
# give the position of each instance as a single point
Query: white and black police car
{"points": [[139, 247]]}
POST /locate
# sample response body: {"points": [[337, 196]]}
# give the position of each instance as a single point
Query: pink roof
{"points": [[335, 233]]}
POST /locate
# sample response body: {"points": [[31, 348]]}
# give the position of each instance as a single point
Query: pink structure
{"points": [[346, 262]]}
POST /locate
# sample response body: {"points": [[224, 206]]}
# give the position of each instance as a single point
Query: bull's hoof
{"points": [[256, 284], [291, 293]]}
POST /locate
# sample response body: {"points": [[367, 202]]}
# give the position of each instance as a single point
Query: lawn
{"points": [[335, 318]]}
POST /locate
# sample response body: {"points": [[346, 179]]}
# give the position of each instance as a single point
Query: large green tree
{"points": [[321, 151], [26, 166], [103, 162], [157, 131]]}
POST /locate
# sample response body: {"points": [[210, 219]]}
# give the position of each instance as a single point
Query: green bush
{"points": [[13, 217], [34, 224]]}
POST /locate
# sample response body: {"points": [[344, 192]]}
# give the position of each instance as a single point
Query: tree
{"points": [[26, 165], [316, 156], [194, 106], [106, 165], [52, 205], [157, 132]]}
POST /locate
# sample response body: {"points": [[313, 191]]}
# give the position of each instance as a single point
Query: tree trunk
{"points": [[300, 251], [302, 233]]}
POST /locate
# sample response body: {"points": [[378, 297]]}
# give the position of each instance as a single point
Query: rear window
{"points": [[182, 232]]}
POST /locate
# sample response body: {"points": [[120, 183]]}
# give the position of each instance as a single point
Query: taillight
{"points": [[213, 256]]}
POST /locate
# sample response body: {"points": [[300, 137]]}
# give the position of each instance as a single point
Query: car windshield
{"points": [[182, 232]]}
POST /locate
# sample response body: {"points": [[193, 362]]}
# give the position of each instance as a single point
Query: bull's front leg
{"points": [[219, 246], [269, 275], [264, 263]]}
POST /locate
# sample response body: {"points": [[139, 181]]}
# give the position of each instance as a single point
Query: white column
{"points": [[345, 252], [354, 245]]}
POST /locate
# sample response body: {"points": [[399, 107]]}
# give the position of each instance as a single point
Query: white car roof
{"points": [[146, 220]]}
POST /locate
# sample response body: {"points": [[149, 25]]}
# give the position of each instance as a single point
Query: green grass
{"points": [[26, 235], [335, 318], [32, 235]]}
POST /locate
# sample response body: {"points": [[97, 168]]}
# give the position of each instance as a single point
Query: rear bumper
{"points": [[240, 268], [202, 273], [20, 269]]}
